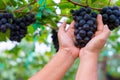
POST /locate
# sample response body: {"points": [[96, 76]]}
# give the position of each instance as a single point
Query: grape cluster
{"points": [[17, 26], [111, 16], [85, 25], [5, 21], [110, 77], [55, 39]]}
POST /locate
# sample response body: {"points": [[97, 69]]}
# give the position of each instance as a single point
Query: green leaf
{"points": [[2, 5], [36, 25], [10, 8], [4, 36], [93, 1], [25, 47], [13, 2], [50, 2], [16, 48], [118, 3], [48, 12], [66, 5]]}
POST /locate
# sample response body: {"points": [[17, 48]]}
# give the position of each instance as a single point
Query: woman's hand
{"points": [[98, 41], [66, 40]]}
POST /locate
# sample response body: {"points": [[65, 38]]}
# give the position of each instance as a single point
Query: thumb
{"points": [[105, 32], [62, 28]]}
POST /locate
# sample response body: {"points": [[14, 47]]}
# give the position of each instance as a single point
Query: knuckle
{"points": [[102, 39], [109, 31]]}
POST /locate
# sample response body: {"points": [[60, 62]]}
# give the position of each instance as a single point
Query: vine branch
{"points": [[83, 5], [20, 9], [77, 3], [2, 11], [65, 15], [59, 3]]}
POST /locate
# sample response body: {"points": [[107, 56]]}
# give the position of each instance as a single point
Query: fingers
{"points": [[103, 36], [106, 32], [99, 23], [70, 30], [62, 27], [72, 25]]}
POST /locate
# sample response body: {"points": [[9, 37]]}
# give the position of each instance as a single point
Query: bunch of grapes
{"points": [[111, 16], [17, 26], [110, 77], [5, 21], [55, 39], [85, 26]]}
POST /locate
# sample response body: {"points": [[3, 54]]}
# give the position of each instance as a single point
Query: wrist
{"points": [[86, 55], [67, 52]]}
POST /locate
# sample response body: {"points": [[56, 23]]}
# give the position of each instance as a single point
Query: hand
{"points": [[98, 41], [66, 39]]}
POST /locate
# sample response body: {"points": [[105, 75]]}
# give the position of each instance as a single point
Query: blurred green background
{"points": [[19, 61]]}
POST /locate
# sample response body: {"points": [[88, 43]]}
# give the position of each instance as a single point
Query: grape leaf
{"points": [[93, 1], [4, 36]]}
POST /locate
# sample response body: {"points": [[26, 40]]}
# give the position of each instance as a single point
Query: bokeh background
{"points": [[19, 61]]}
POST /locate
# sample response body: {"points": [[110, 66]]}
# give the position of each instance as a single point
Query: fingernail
{"points": [[99, 15], [106, 26], [64, 20]]}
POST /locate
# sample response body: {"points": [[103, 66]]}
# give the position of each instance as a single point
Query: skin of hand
{"points": [[99, 39], [66, 39]]}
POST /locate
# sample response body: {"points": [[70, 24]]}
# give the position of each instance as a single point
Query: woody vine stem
{"points": [[84, 5], [22, 8]]}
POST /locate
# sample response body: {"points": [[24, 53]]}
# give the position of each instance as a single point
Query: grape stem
{"points": [[84, 5], [65, 15]]}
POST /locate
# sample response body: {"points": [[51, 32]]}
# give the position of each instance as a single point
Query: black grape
{"points": [[55, 39], [4, 22], [85, 26], [110, 16], [17, 26]]}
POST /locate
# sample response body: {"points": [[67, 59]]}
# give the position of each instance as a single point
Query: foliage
{"points": [[23, 60]]}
